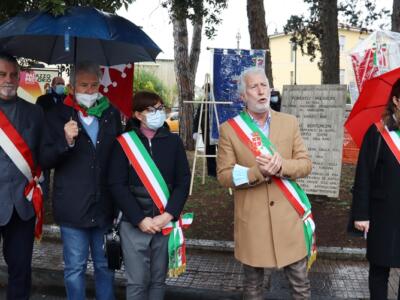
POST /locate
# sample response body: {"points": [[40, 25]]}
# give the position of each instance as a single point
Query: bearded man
{"points": [[260, 154], [21, 128]]}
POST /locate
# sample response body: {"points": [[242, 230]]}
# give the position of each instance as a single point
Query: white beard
{"points": [[8, 91], [258, 107]]}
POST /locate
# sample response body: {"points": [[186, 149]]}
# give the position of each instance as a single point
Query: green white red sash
{"points": [[177, 244], [258, 143], [391, 137], [18, 151], [157, 188]]}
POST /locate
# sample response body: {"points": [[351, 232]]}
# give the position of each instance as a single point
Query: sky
{"points": [[154, 19]]}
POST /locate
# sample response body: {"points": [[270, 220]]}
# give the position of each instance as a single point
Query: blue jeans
{"points": [[76, 244]]}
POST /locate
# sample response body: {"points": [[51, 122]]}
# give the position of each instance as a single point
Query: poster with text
{"points": [[32, 82]]}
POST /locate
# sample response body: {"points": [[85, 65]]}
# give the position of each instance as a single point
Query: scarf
{"points": [[97, 110]]}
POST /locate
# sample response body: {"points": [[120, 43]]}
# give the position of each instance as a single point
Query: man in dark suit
{"points": [[46, 102], [17, 214], [210, 148], [276, 100], [78, 146], [56, 95]]}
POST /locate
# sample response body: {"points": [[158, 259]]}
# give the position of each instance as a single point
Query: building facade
{"points": [[289, 66]]}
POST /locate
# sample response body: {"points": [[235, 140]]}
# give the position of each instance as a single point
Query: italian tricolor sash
{"points": [[391, 137], [156, 186], [18, 151], [258, 143]]}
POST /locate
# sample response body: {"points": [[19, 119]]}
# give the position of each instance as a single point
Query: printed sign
{"points": [[32, 83]]}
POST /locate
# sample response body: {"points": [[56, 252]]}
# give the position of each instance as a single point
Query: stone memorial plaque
{"points": [[320, 110]]}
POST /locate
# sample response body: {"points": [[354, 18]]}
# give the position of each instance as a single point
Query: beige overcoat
{"points": [[267, 230]]}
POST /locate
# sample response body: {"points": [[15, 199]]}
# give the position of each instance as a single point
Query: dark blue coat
{"points": [[47, 101], [29, 123], [126, 187], [80, 195], [377, 199]]}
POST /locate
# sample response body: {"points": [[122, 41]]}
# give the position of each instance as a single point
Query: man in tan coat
{"points": [[268, 231]]}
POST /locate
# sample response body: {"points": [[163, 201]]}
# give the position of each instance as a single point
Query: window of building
{"points": [[341, 76], [342, 42]]}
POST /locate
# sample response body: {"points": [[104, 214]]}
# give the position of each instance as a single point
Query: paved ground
{"points": [[212, 275]]}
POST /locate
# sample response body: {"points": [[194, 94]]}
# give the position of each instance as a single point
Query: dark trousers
{"points": [[46, 185], [378, 282], [296, 274], [211, 161], [18, 236]]}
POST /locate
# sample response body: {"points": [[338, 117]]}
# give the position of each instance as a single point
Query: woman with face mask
{"points": [[149, 180], [376, 195]]}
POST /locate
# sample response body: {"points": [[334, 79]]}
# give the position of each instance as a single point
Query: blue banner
{"points": [[228, 64]]}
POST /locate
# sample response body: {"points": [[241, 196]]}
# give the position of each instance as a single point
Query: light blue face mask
{"points": [[155, 120], [59, 89], [274, 99]]}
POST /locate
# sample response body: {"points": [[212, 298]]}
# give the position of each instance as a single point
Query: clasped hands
{"points": [[270, 165], [153, 225]]}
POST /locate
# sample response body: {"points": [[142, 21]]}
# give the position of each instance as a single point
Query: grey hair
{"points": [[9, 58], [85, 67], [247, 72]]}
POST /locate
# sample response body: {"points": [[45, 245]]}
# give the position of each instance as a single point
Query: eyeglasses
{"points": [[152, 109]]}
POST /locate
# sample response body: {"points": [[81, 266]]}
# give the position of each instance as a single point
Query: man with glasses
{"points": [[148, 163], [81, 133]]}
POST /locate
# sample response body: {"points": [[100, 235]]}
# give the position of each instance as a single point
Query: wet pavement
{"points": [[212, 275]]}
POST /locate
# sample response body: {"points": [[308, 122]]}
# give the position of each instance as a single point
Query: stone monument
{"points": [[320, 110]]}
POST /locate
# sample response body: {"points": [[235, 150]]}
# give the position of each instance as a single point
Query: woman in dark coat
{"points": [[376, 199], [145, 248]]}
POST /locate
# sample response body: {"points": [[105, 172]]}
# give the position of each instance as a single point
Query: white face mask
{"points": [[86, 100], [155, 119], [8, 91]]}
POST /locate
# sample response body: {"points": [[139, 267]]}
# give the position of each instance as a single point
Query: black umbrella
{"points": [[82, 33]]}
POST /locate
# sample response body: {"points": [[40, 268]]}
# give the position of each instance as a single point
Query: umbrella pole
{"points": [[74, 78]]}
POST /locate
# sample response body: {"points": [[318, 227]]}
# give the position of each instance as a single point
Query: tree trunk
{"points": [[329, 41], [259, 34], [185, 70], [396, 16]]}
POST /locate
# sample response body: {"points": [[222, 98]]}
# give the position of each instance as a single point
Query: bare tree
{"points": [[258, 32], [319, 31], [185, 70], [329, 41], [396, 16], [196, 12]]}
